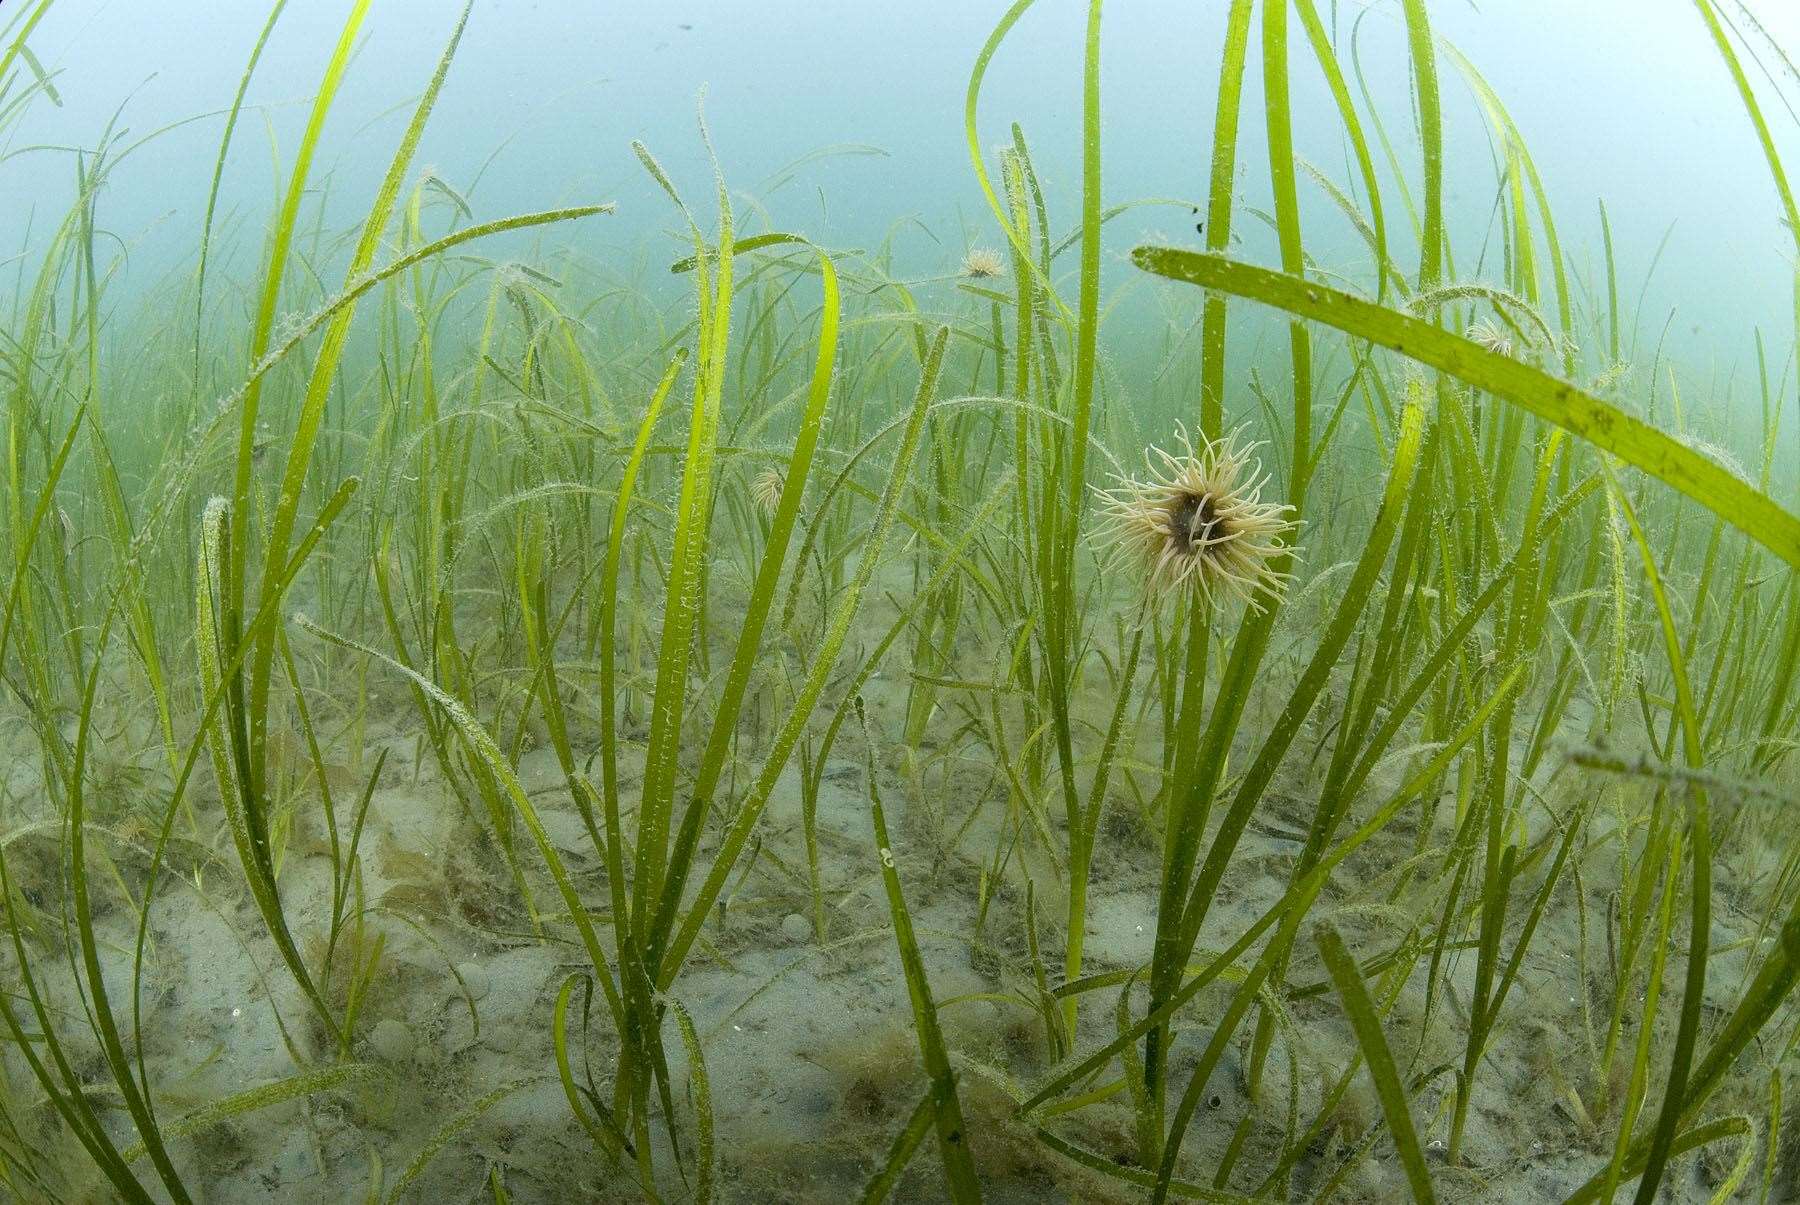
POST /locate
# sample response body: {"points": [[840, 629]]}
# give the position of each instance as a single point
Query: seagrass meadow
{"points": [[1278, 690]]}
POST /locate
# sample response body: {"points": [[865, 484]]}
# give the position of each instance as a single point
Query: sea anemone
{"points": [[1485, 333], [981, 263], [1199, 522], [766, 487]]}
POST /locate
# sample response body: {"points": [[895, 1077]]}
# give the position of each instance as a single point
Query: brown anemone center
{"points": [[1192, 521]]}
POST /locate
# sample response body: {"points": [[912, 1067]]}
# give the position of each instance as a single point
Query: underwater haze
{"points": [[1030, 602], [548, 95]]}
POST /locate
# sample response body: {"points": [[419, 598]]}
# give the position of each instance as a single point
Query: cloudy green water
{"points": [[1618, 100]]}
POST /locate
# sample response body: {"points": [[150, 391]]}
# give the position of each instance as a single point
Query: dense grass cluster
{"points": [[389, 512]]}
